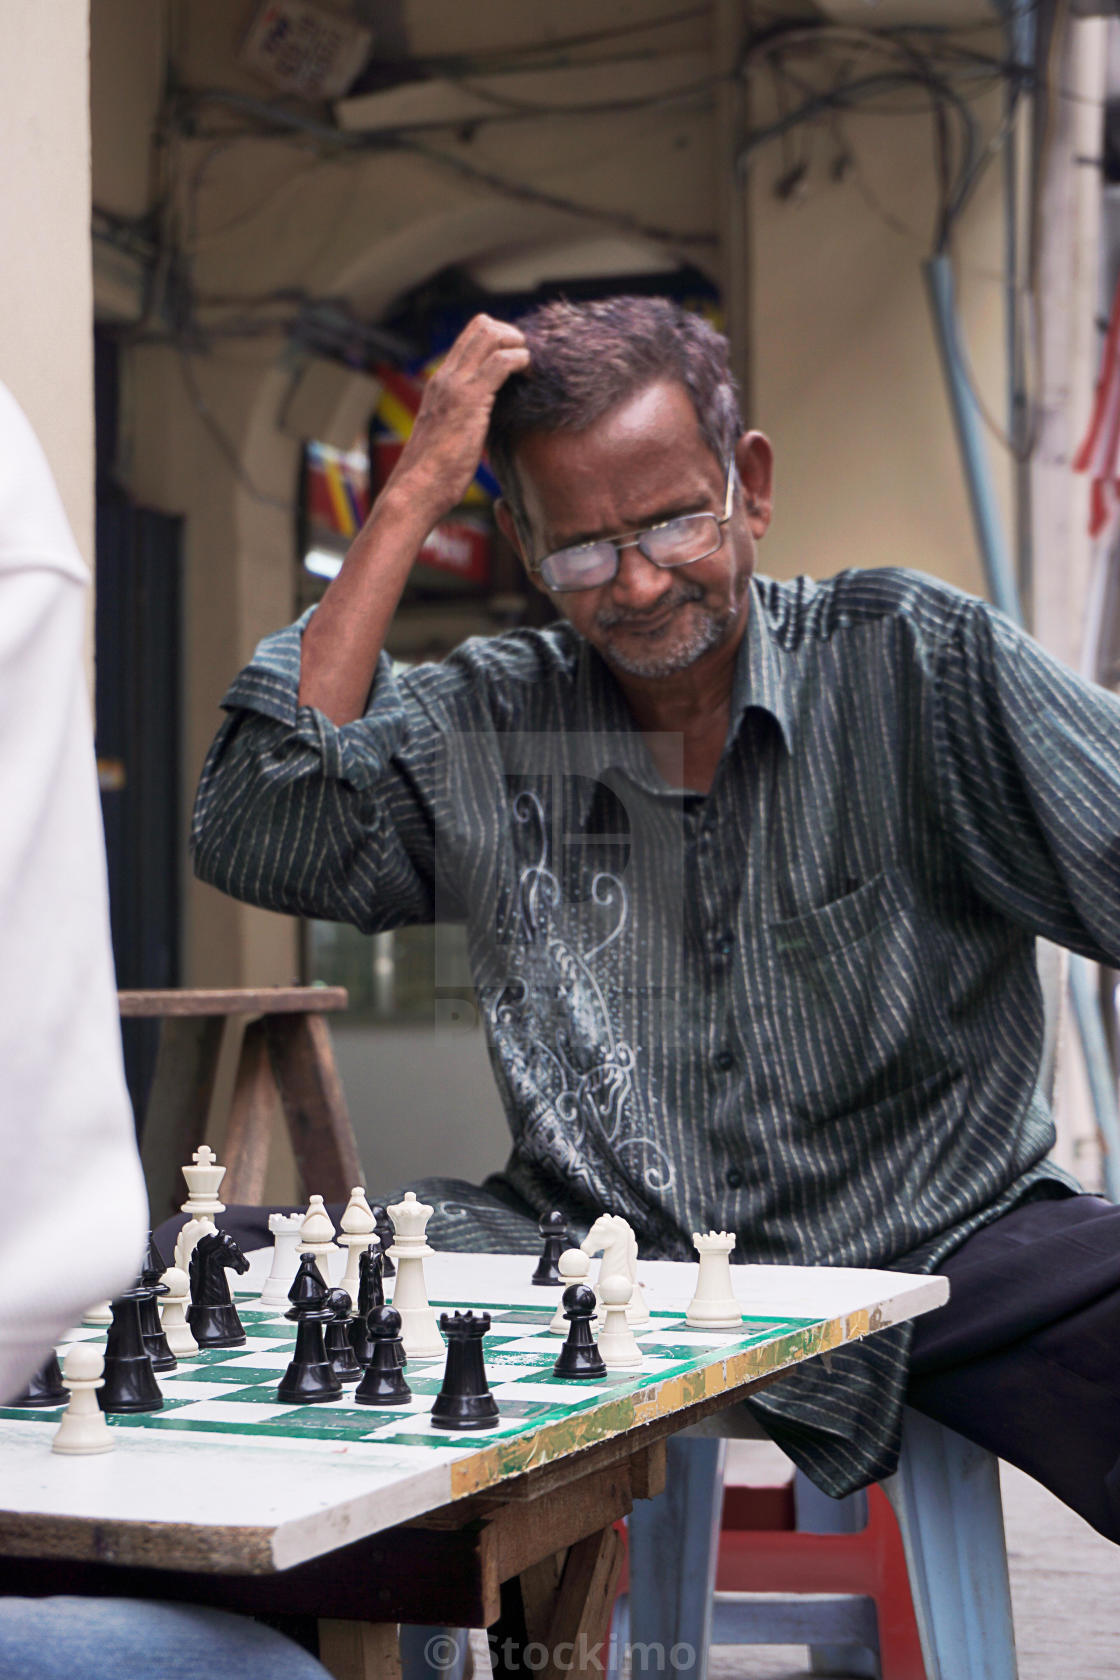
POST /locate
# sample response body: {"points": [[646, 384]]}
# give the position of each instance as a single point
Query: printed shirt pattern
{"points": [[804, 1007]]}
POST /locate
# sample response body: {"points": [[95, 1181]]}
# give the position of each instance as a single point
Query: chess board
{"points": [[226, 1476], [231, 1392]]}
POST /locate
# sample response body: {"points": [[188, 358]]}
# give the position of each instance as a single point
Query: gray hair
{"points": [[588, 357]]}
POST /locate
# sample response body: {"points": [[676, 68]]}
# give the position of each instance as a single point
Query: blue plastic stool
{"points": [[947, 1500]]}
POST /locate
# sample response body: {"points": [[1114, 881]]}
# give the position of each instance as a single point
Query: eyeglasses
{"points": [[674, 542]]}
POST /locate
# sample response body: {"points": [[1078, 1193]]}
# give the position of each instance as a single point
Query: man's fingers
{"points": [[480, 338]]}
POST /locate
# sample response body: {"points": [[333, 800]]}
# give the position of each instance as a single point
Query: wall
{"points": [[843, 364], [46, 344]]}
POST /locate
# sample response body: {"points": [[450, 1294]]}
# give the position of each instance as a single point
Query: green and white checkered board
{"points": [[232, 1391]]}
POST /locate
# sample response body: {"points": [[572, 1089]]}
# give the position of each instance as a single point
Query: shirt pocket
{"points": [[858, 1009]]}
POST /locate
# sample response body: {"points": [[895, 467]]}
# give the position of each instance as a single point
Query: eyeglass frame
{"points": [[633, 539]]}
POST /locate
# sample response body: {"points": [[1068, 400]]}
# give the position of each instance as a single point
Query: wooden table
{"points": [[512, 1531]]}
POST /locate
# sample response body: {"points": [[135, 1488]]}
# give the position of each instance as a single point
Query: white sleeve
{"points": [[72, 1207]]}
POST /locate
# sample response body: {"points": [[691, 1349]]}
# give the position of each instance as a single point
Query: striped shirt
{"points": [[803, 1007]]}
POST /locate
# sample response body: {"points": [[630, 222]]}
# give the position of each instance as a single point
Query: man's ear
{"points": [[507, 525], [754, 461]]}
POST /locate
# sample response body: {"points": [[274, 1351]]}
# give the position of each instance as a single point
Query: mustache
{"points": [[679, 595]]}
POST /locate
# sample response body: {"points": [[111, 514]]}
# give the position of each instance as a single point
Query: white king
{"points": [[203, 1180], [714, 1307], [419, 1330]]}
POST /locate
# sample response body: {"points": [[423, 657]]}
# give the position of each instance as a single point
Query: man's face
{"points": [[643, 462]]}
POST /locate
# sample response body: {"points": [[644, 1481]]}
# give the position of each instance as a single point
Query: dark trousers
{"points": [[1025, 1358]]}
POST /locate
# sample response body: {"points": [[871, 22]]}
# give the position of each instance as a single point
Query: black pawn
{"points": [[579, 1357], [383, 1383], [151, 1325], [465, 1400], [370, 1294], [554, 1234], [340, 1355], [308, 1288], [386, 1236], [309, 1377], [129, 1383], [46, 1387]]}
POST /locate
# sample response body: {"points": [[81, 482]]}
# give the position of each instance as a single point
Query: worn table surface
{"points": [[224, 1479]]}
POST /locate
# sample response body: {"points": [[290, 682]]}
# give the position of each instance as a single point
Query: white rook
{"points": [[714, 1307]]}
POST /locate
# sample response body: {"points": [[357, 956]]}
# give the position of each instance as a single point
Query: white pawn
{"points": [[714, 1307], [101, 1313], [173, 1313], [285, 1228], [317, 1237], [357, 1226], [84, 1427], [419, 1330], [573, 1266], [617, 1347]]}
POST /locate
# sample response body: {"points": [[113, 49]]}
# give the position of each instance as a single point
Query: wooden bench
{"points": [[286, 1065]]}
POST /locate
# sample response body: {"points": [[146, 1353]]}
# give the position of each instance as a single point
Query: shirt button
{"points": [[733, 1178], [724, 1060], [723, 944]]}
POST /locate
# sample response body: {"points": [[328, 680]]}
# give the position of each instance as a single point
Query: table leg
{"points": [[555, 1619], [360, 1650]]}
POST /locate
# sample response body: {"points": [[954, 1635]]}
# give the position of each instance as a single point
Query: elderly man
{"points": [[752, 875]]}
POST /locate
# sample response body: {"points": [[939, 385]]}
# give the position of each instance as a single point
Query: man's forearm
{"points": [[344, 638]]}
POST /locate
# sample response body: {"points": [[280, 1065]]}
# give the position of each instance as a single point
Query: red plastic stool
{"points": [[761, 1551], [869, 1563]]}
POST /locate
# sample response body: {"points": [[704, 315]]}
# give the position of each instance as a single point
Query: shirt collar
{"points": [[763, 680]]}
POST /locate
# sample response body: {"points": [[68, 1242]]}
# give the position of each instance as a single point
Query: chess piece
{"points": [[383, 1226], [714, 1307], [308, 1288], [554, 1234], [309, 1378], [355, 1227], [175, 1326], [285, 1228], [202, 1206], [340, 1355], [186, 1240], [46, 1387], [383, 1383], [370, 1294], [84, 1427], [100, 1313], [618, 1348], [316, 1236], [573, 1266], [614, 1238], [465, 1400], [579, 1357], [129, 1382], [212, 1315], [151, 1328], [419, 1330]]}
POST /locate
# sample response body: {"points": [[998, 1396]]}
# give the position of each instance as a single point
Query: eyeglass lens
{"points": [[678, 542]]}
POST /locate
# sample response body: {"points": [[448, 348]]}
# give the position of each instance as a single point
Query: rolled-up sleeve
{"points": [[1029, 782], [298, 814]]}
